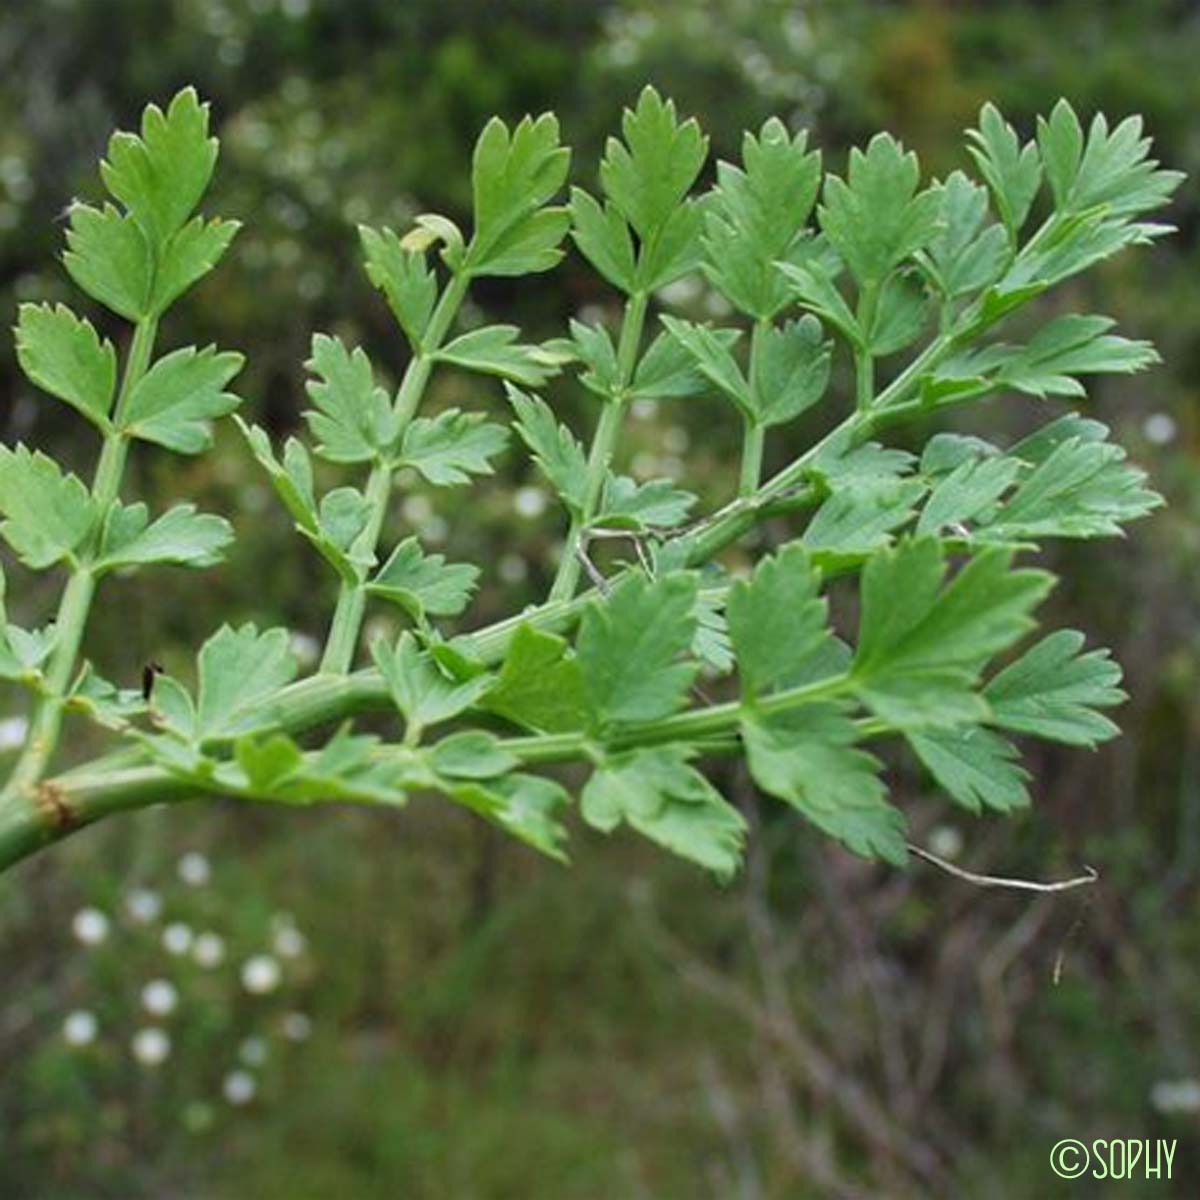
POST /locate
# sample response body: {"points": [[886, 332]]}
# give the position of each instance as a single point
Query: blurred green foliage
{"points": [[489, 1026]]}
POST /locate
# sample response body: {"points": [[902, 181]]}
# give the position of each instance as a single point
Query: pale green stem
{"points": [[604, 443], [86, 795], [864, 360], [346, 623], [753, 438], [76, 602]]}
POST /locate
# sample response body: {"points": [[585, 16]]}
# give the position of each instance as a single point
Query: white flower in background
{"points": [[90, 926], [239, 1087], [289, 942], [435, 530], [296, 1027], [159, 997], [13, 731], [529, 501], [194, 869], [682, 292], [306, 648], [1176, 1095], [1159, 428], [80, 1028], [177, 938], [209, 950], [261, 974], [945, 841], [715, 305], [676, 439], [150, 1046], [591, 314], [416, 509], [643, 409], [143, 905], [645, 464], [513, 568], [253, 1051]]}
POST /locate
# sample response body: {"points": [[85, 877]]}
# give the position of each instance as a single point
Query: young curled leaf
{"points": [[404, 278]]}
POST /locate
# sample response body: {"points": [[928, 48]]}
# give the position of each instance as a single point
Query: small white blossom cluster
{"points": [[1176, 1096], [259, 974]]}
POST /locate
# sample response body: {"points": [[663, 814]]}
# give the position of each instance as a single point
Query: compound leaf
{"points": [[108, 257], [451, 447], [876, 218], [630, 646], [47, 514], [603, 239], [174, 401], [977, 768], [512, 177], [921, 644], [555, 448], [656, 504], [540, 685], [161, 175], [659, 794], [1013, 172], [64, 356], [808, 759], [189, 255], [181, 536], [776, 618], [237, 668], [494, 350], [1053, 691], [648, 176], [404, 278], [354, 421], [424, 584], [423, 694]]}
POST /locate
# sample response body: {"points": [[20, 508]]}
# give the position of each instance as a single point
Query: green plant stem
{"points": [[753, 437], [864, 360], [90, 793], [604, 442], [346, 623], [75, 603]]}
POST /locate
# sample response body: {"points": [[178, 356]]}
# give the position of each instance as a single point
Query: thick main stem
{"points": [[86, 795], [604, 443], [351, 605]]}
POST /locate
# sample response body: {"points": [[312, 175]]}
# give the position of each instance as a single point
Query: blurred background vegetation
{"points": [[403, 1005]]}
